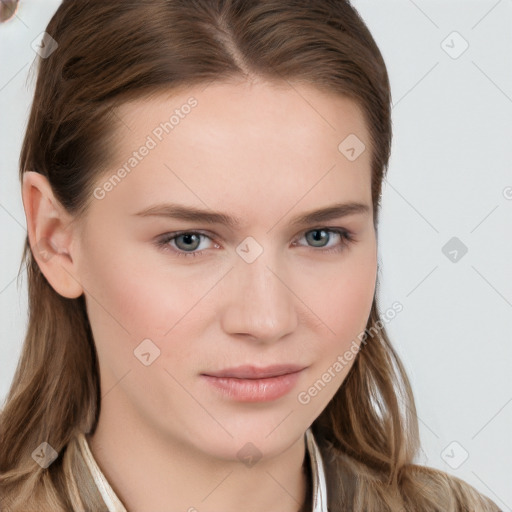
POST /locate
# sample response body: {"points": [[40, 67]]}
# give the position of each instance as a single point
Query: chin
{"points": [[253, 435]]}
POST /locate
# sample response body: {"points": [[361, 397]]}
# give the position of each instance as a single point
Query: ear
{"points": [[50, 233]]}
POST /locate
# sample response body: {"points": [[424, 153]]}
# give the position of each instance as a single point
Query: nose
{"points": [[259, 302]]}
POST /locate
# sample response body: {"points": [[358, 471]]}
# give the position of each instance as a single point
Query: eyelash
{"points": [[346, 239]]}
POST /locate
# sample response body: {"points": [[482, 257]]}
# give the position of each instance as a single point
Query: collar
{"points": [[114, 504]]}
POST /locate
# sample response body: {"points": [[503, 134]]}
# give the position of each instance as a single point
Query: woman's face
{"points": [[266, 289]]}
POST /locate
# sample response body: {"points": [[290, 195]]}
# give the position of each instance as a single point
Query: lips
{"points": [[253, 372], [252, 384]]}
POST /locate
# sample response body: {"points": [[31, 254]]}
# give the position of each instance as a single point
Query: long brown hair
{"points": [[109, 52]]}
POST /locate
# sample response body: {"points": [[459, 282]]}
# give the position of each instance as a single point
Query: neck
{"points": [[149, 472]]}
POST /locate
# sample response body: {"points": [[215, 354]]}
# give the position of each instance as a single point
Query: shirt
{"points": [[317, 472]]}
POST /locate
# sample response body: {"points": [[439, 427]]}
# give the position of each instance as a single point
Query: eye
{"points": [[315, 236], [186, 243]]}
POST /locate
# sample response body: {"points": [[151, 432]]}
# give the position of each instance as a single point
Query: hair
{"points": [[112, 52]]}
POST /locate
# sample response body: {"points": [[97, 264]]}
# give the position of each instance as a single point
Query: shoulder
{"points": [[352, 485], [444, 490]]}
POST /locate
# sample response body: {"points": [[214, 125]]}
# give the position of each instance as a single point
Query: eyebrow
{"points": [[193, 214]]}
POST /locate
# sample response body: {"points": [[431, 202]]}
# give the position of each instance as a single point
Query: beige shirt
{"points": [[114, 503]]}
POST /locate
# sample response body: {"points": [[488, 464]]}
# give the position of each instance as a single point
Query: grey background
{"points": [[450, 176]]}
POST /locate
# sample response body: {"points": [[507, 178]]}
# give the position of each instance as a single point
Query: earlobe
{"points": [[50, 233]]}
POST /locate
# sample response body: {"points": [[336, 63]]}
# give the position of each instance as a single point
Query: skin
{"points": [[265, 153]]}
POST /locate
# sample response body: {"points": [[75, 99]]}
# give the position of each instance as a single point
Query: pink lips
{"points": [[252, 384], [252, 372]]}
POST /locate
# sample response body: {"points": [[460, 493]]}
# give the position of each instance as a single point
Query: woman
{"points": [[251, 370]]}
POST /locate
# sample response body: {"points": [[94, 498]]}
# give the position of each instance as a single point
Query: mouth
{"points": [[253, 372], [253, 384]]}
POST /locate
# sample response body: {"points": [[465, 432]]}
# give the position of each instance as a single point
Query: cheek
{"points": [[344, 308], [130, 301], [351, 301], [130, 294], [343, 296]]}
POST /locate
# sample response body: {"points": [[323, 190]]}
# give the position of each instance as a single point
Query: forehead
{"points": [[243, 141], [254, 110]]}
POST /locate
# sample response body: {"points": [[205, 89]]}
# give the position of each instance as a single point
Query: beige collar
{"points": [[114, 503]]}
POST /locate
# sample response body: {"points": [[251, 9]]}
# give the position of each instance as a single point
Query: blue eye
{"points": [[322, 232], [192, 239]]}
